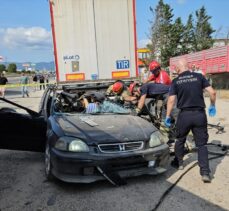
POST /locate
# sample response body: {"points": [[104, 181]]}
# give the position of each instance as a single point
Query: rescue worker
{"points": [[158, 75], [3, 81], [121, 91], [188, 89], [148, 90]]}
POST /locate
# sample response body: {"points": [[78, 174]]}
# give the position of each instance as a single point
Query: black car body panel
{"points": [[109, 129], [82, 168], [22, 131]]}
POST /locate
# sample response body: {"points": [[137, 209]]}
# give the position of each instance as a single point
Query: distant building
{"points": [[220, 42]]}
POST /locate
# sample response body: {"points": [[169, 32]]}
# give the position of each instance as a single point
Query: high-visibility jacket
{"points": [[162, 78]]}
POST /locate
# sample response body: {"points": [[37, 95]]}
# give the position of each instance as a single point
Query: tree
{"points": [[161, 32], [2, 68], [176, 42], [203, 30], [12, 68], [188, 36], [171, 38]]}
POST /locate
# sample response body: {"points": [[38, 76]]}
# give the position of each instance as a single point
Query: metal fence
{"points": [[219, 81]]}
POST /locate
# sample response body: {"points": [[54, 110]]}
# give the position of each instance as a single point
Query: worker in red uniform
{"points": [[158, 75], [121, 92]]}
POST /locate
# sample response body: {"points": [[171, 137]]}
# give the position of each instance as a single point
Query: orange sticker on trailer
{"points": [[75, 77], [120, 74]]}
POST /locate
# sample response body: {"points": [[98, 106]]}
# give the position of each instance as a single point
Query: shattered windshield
{"points": [[109, 107]]}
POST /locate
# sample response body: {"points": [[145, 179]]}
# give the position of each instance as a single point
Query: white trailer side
{"points": [[94, 39]]}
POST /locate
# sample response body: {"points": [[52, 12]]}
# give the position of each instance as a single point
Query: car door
{"points": [[21, 130]]}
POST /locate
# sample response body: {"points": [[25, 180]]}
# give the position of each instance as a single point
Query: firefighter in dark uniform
{"points": [[148, 90], [188, 89]]}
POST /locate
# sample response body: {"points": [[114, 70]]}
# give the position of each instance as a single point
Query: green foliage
{"points": [[203, 30], [12, 68], [2, 68], [188, 36], [176, 42], [160, 31], [172, 38]]}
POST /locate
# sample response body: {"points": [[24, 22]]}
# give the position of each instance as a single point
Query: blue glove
{"points": [[212, 111], [167, 121]]}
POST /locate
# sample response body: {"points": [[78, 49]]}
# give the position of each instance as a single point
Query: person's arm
{"points": [[206, 86], [129, 98], [143, 94], [150, 78], [170, 105], [141, 101], [85, 102], [171, 102], [212, 94], [109, 90]]}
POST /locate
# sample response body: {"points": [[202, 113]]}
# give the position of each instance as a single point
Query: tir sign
{"points": [[122, 64]]}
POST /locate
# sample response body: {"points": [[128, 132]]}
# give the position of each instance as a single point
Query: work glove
{"points": [[212, 111], [168, 121], [136, 111], [118, 99]]}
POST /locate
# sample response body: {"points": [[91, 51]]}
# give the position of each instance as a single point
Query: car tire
{"points": [[48, 164]]}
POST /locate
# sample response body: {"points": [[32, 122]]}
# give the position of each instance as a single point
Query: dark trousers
{"points": [[196, 121], [42, 85]]}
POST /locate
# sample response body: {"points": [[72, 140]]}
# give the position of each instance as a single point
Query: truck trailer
{"points": [[94, 39], [211, 61]]}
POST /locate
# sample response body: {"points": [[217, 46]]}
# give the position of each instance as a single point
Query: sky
{"points": [[25, 29]]}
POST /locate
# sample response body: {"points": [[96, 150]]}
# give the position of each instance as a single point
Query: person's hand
{"points": [[136, 111], [212, 111], [118, 99], [167, 121]]}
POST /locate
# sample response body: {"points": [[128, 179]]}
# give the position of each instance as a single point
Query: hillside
{"points": [[38, 66]]}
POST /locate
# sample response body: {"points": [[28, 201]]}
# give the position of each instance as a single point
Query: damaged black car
{"points": [[87, 136]]}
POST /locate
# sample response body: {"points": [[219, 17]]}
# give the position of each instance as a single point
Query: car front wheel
{"points": [[48, 165]]}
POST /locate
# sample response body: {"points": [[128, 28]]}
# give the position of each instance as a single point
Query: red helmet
{"points": [[117, 87], [133, 86], [154, 65]]}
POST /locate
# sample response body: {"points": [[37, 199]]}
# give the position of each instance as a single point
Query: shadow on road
{"points": [[141, 193], [10, 92]]}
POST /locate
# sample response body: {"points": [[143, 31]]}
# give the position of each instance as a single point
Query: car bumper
{"points": [[82, 167]]}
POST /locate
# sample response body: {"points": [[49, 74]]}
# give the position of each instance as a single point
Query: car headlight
{"points": [[71, 144], [78, 146], [156, 139], [62, 144]]}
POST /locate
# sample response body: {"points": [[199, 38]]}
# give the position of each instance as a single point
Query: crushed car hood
{"points": [[105, 128]]}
